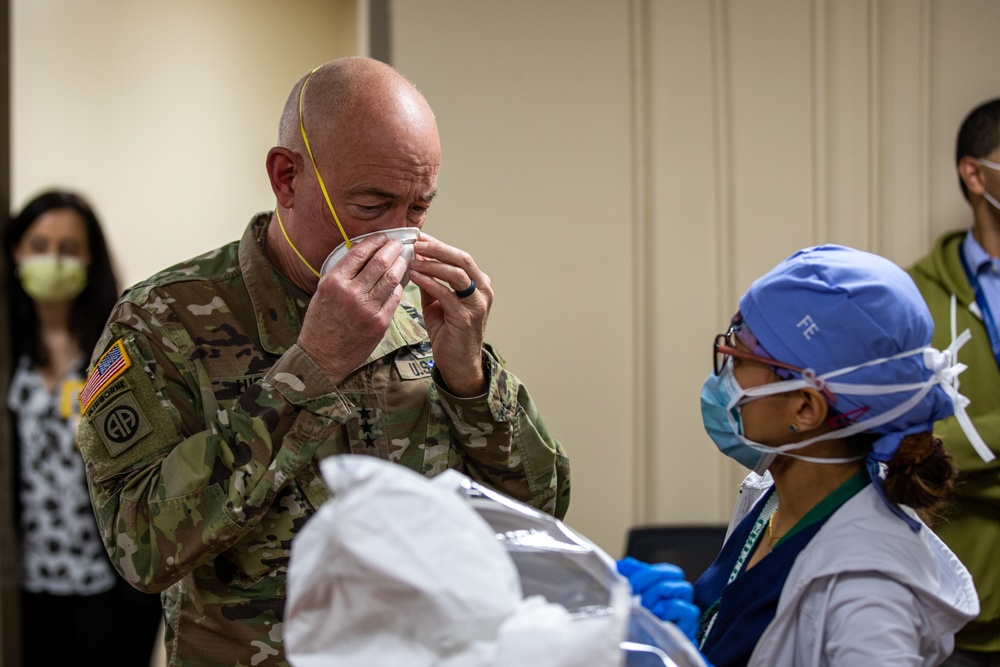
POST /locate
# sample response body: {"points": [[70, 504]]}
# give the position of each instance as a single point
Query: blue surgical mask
{"points": [[722, 396], [720, 414]]}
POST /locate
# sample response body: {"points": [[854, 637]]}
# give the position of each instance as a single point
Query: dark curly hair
{"points": [[920, 474]]}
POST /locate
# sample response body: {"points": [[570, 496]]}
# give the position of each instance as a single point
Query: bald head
{"points": [[352, 95], [375, 158]]}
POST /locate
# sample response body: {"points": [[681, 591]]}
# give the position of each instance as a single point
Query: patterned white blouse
{"points": [[61, 550]]}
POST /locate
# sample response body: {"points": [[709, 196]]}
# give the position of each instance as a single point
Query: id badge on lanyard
{"points": [[984, 308]]}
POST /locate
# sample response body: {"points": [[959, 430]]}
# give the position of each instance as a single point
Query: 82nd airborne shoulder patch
{"points": [[121, 424], [107, 401]]}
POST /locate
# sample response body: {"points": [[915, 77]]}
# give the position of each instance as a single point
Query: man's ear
{"points": [[282, 167], [811, 410], [971, 173]]}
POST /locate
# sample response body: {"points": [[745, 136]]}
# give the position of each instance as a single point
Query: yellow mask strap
{"points": [[304, 261], [322, 185]]}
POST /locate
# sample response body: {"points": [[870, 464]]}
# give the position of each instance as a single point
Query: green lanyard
{"points": [[770, 507], [712, 613], [820, 511]]}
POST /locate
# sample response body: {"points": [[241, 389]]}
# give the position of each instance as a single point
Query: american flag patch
{"points": [[114, 362]]}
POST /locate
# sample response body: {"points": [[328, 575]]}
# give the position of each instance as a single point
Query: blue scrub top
{"points": [[747, 605]]}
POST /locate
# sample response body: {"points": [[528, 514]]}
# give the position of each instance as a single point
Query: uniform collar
{"points": [[407, 326], [278, 304]]}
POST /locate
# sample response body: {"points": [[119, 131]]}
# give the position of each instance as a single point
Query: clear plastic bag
{"points": [[565, 568], [398, 569]]}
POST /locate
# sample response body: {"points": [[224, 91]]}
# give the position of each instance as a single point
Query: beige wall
{"points": [[623, 169], [161, 112]]}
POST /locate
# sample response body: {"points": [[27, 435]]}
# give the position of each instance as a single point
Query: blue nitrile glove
{"points": [[664, 592]]}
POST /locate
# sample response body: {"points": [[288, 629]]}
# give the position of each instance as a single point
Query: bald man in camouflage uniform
{"points": [[219, 383]]}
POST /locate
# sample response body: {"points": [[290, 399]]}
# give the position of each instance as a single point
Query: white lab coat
{"points": [[866, 590]]}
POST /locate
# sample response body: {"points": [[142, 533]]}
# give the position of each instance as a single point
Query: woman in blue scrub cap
{"points": [[825, 385]]}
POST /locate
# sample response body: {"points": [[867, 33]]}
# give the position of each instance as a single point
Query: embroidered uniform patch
{"points": [[118, 386], [114, 362], [121, 424], [415, 363]]}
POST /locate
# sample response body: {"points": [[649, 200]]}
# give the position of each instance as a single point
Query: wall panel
{"points": [[685, 225], [771, 94], [739, 131], [847, 108], [533, 101], [900, 140]]}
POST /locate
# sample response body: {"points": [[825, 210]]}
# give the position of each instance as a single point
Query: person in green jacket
{"points": [[960, 280]]}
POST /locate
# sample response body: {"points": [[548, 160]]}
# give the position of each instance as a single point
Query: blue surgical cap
{"points": [[832, 307]]}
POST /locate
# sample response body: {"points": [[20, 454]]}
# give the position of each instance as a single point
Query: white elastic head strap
{"points": [[960, 402], [946, 371], [995, 167]]}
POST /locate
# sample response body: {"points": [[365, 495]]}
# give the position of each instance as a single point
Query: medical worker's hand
{"points": [[664, 592]]}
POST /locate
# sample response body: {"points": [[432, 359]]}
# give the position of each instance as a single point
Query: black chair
{"points": [[692, 548]]}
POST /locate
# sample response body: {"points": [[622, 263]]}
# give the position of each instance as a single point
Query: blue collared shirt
{"points": [[987, 272]]}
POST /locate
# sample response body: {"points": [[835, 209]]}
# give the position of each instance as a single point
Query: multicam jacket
{"points": [[203, 422]]}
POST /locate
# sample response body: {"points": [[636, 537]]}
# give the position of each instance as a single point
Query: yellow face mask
{"points": [[52, 278], [322, 186]]}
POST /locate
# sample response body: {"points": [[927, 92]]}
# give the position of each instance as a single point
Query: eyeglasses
{"points": [[724, 347]]}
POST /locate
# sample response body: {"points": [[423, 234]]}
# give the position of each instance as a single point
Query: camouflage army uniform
{"points": [[202, 453]]}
